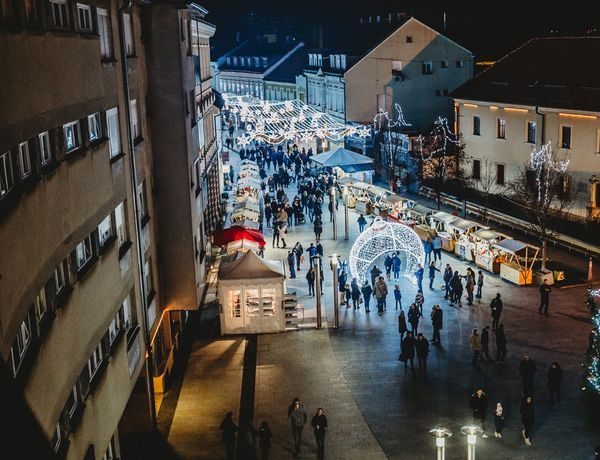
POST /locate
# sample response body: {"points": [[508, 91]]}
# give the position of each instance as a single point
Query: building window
{"points": [[40, 306], [104, 33], [59, 13], [112, 126], [128, 34], [105, 230], [45, 153], [72, 401], [427, 68], [59, 278], [94, 127], [148, 283], [95, 360], [501, 128], [476, 169], [111, 450], [120, 224], [409, 39], [459, 63], [84, 15], [22, 341], [72, 132], [142, 200], [444, 64], [476, 126], [114, 328], [565, 137], [445, 92], [135, 124], [598, 141], [57, 436], [24, 159], [531, 132], [6, 174], [438, 92], [500, 171], [126, 313], [84, 252], [31, 13]]}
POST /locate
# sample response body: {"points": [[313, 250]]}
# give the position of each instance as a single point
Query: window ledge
{"points": [[98, 375], [117, 340], [138, 140], [95, 143], [107, 244], [75, 153], [76, 417], [150, 297], [124, 248], [86, 268], [117, 157], [49, 167], [145, 219]]}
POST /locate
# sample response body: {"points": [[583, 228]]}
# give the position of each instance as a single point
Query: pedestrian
{"points": [[380, 292], [470, 285], [496, 307], [331, 208], [407, 351], [485, 343], [319, 248], [275, 235], [355, 293], [367, 291], [282, 233], [432, 270], [342, 286], [375, 272], [298, 418], [436, 243], [498, 420], [398, 297], [419, 301], [396, 265], [479, 284], [229, 429], [319, 424], [456, 289], [402, 325], [318, 228], [500, 344], [422, 350], [310, 279], [527, 369], [419, 276], [291, 260], [387, 263], [348, 295], [527, 417], [478, 405], [362, 222], [437, 316], [545, 290], [312, 252], [475, 342], [447, 277], [247, 442], [428, 247], [264, 440], [298, 251], [555, 376], [413, 318]]}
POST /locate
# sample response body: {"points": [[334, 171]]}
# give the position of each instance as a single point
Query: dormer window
{"points": [[409, 39], [229, 60], [319, 60], [234, 60], [343, 61], [264, 62]]}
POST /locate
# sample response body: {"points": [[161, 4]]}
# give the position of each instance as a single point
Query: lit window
{"points": [[72, 132], [84, 252], [6, 174], [84, 16], [531, 132], [565, 137], [57, 437], [501, 128], [104, 33], [113, 328], [111, 450], [21, 343], [41, 306], [135, 124], [94, 127], [59, 13], [427, 67], [142, 200], [24, 159], [127, 313], [73, 401], [105, 230], [112, 126], [128, 34], [120, 224], [45, 153], [148, 278]]}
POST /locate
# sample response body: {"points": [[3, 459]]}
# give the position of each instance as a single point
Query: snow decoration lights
{"points": [[543, 163], [383, 120], [591, 380], [440, 131], [382, 237]]}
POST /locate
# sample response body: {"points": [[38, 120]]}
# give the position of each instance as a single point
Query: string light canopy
{"points": [[383, 237], [275, 122]]}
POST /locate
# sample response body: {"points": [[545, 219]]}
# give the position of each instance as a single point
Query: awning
{"points": [[251, 266], [393, 198], [347, 160], [462, 225], [376, 190], [420, 209], [512, 246], [237, 232], [443, 217], [246, 205], [487, 235]]}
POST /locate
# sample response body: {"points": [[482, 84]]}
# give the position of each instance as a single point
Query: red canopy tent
{"points": [[237, 232]]}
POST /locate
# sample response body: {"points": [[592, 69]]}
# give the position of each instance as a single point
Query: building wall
{"points": [[241, 84], [371, 85], [325, 92], [514, 151], [278, 91]]}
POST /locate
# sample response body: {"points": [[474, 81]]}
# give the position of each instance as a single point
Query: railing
{"points": [[506, 220]]}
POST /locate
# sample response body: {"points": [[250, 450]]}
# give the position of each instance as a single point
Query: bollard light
{"points": [[333, 203], [336, 313], [471, 432], [440, 433]]}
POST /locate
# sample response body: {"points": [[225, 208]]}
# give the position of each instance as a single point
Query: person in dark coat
{"points": [[437, 317], [545, 290], [318, 228], [362, 222], [367, 291], [407, 351], [447, 277], [310, 279], [387, 263], [500, 344], [456, 289], [496, 307], [398, 296], [375, 272], [413, 318], [402, 325], [485, 343], [422, 350], [275, 234], [527, 417], [432, 270], [355, 293], [527, 369], [247, 442], [319, 424], [342, 288], [419, 276], [229, 429], [478, 405], [555, 376], [291, 260], [396, 265], [298, 418]]}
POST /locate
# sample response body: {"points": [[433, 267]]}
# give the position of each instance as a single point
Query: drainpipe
{"points": [[543, 130], [138, 224]]}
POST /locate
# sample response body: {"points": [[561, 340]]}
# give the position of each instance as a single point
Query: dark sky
{"points": [[488, 28]]}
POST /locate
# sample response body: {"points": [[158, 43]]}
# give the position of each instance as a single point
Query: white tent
{"points": [[251, 291]]}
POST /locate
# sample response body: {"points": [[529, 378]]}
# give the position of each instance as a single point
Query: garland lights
{"points": [[277, 122], [542, 163], [591, 380]]}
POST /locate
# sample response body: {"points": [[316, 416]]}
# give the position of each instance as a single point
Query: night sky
{"points": [[488, 28]]}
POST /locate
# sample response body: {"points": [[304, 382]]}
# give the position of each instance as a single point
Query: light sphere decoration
{"points": [[383, 237]]}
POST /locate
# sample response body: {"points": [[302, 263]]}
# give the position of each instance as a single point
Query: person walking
{"points": [[545, 290], [555, 376], [396, 265], [381, 292], [478, 405], [437, 317], [298, 418], [398, 297], [479, 284], [291, 260], [470, 285], [312, 252], [355, 293], [432, 270], [407, 351], [247, 442], [229, 429], [456, 289], [367, 291], [282, 233], [428, 247], [447, 277], [422, 351], [310, 279], [264, 440], [527, 369], [319, 424], [298, 251], [436, 244], [500, 344], [362, 222], [498, 420], [419, 276], [419, 301], [318, 228], [387, 263], [375, 272], [342, 286], [402, 329], [413, 318], [348, 295], [275, 234], [527, 417], [475, 342], [496, 307], [485, 343]]}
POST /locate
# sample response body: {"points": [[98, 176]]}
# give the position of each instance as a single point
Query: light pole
{"points": [[333, 203], [317, 265], [345, 195], [471, 431], [336, 313], [440, 433]]}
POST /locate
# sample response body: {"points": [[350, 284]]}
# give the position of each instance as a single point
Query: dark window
{"points": [[31, 12], [459, 63], [444, 64], [501, 129], [438, 92], [427, 68], [409, 39], [59, 13], [531, 132], [445, 92], [500, 170], [476, 169], [476, 126], [565, 137]]}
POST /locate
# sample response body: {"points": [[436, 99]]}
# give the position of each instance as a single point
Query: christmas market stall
{"points": [[249, 170], [251, 292], [462, 229], [249, 186], [486, 256], [396, 206], [439, 221], [358, 197], [517, 259], [416, 215]]}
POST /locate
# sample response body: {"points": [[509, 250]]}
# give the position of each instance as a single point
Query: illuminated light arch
{"points": [[381, 237]]}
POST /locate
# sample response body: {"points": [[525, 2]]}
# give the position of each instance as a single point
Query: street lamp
{"points": [[317, 265], [345, 195], [333, 203], [334, 267], [471, 431], [440, 433]]}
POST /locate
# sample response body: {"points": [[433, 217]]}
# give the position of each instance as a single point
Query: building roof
{"points": [[251, 266], [560, 73], [291, 67], [256, 56]]}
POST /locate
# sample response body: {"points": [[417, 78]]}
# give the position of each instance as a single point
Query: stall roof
{"points": [[249, 182], [420, 209], [463, 224], [444, 217], [251, 266], [347, 160], [360, 185], [243, 214], [376, 190], [246, 223], [348, 180], [393, 198], [513, 246], [246, 205], [487, 235]]}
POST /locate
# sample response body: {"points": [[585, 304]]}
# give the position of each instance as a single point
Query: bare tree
{"points": [[544, 193], [487, 184]]}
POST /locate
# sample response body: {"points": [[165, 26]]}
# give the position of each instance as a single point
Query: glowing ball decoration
{"points": [[383, 237]]}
